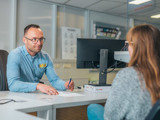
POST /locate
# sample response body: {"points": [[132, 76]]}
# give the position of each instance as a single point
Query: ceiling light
{"points": [[155, 16], [137, 2]]}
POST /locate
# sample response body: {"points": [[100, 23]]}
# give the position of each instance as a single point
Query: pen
{"points": [[69, 82]]}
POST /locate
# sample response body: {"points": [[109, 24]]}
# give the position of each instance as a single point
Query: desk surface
{"points": [[61, 101], [14, 110], [22, 103], [8, 114], [31, 102]]}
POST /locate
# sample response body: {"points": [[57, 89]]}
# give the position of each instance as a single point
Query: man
{"points": [[27, 64]]}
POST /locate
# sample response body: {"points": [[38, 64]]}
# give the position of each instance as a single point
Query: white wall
{"points": [[68, 17], [5, 24], [32, 12]]}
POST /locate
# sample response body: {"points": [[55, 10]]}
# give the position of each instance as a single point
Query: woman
{"points": [[135, 88]]}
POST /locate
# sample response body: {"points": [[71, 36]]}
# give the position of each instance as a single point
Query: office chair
{"points": [[154, 113], [3, 78]]}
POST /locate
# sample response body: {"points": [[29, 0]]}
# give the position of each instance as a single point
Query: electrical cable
{"points": [[114, 66], [6, 101]]}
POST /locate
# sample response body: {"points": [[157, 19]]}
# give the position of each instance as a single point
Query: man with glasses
{"points": [[27, 64]]}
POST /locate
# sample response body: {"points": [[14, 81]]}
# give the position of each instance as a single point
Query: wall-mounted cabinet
{"points": [[107, 31]]}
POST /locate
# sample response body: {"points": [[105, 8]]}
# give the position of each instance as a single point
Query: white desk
{"points": [[61, 102], [8, 114], [23, 104]]}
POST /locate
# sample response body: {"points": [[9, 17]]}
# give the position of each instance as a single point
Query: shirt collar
{"points": [[26, 52]]}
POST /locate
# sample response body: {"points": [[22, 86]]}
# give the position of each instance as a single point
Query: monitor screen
{"points": [[98, 53], [88, 51]]}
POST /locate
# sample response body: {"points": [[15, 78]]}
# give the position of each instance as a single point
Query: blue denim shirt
{"points": [[25, 71]]}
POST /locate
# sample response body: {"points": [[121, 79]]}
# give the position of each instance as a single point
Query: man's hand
{"points": [[46, 89], [69, 86]]}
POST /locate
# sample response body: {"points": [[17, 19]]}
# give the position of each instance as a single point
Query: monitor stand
{"points": [[102, 86], [103, 68]]}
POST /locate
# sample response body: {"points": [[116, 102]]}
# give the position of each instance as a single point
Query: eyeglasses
{"points": [[35, 40]]}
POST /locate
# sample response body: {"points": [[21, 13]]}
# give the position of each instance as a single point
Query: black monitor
{"points": [[98, 53]]}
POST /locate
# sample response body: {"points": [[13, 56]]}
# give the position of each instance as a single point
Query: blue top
{"points": [[25, 71]]}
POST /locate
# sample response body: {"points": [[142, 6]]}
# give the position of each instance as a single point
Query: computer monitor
{"points": [[98, 53]]}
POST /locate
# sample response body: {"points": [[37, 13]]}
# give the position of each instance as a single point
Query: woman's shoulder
{"points": [[127, 71], [127, 75]]}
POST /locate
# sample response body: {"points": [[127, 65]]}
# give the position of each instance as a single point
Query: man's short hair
{"points": [[30, 26]]}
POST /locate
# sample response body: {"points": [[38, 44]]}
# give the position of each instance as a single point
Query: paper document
{"points": [[68, 94]]}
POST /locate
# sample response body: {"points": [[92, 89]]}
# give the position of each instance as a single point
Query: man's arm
{"points": [[53, 78], [15, 83]]}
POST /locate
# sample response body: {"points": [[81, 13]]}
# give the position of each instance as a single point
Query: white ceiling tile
{"points": [[104, 5], [57, 1], [81, 3], [113, 7], [124, 1], [118, 10]]}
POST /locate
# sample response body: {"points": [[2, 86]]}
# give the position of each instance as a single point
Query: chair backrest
{"points": [[3, 78], [154, 113]]}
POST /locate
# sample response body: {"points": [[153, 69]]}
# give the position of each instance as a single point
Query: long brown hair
{"points": [[145, 41]]}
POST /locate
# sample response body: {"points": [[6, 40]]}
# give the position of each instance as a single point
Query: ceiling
{"points": [[114, 7]]}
